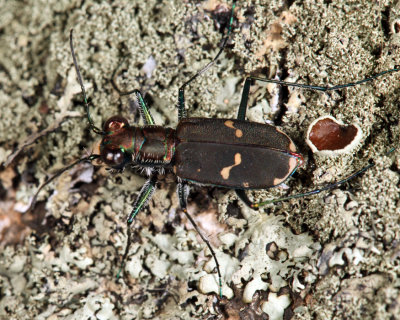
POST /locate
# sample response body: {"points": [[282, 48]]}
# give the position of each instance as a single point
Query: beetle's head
{"points": [[115, 145]]}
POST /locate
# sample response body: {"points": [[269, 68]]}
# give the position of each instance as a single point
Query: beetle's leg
{"points": [[144, 109], [249, 80], [183, 192], [181, 94], [78, 74], [256, 205], [143, 198], [243, 196], [243, 101], [327, 88]]}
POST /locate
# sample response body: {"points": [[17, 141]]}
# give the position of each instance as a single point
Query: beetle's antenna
{"points": [[91, 123], [57, 174], [316, 191]]}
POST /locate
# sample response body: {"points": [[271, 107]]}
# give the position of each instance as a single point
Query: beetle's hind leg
{"points": [[243, 196], [254, 205], [249, 80], [243, 108], [183, 192]]}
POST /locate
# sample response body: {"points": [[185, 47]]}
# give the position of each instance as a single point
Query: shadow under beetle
{"points": [[229, 153]]}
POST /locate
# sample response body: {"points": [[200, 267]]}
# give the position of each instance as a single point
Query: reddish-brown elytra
{"points": [[231, 153]]}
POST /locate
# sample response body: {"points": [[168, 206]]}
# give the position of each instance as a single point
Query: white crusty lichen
{"points": [[276, 269], [273, 256], [275, 306], [67, 268]]}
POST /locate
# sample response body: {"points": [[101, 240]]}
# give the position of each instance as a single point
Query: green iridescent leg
{"points": [[144, 109], [143, 198]]}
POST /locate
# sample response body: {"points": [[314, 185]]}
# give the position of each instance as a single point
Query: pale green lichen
{"points": [[358, 229]]}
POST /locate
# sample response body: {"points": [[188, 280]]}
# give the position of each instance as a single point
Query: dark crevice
{"points": [[283, 90], [385, 22]]}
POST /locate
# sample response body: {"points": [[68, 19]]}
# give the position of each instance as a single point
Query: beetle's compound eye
{"points": [[113, 157], [115, 124]]}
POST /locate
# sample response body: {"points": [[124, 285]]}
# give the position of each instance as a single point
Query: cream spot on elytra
{"points": [[226, 171], [238, 132], [292, 165]]}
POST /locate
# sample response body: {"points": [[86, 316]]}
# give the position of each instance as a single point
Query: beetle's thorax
{"points": [[148, 145], [154, 144]]}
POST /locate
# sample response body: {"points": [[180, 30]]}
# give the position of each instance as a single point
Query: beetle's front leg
{"points": [[143, 198], [143, 107], [183, 192]]}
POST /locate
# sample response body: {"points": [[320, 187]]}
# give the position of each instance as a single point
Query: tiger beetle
{"points": [[228, 153]]}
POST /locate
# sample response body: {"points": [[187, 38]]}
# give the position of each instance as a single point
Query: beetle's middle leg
{"points": [[183, 192], [181, 94]]}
